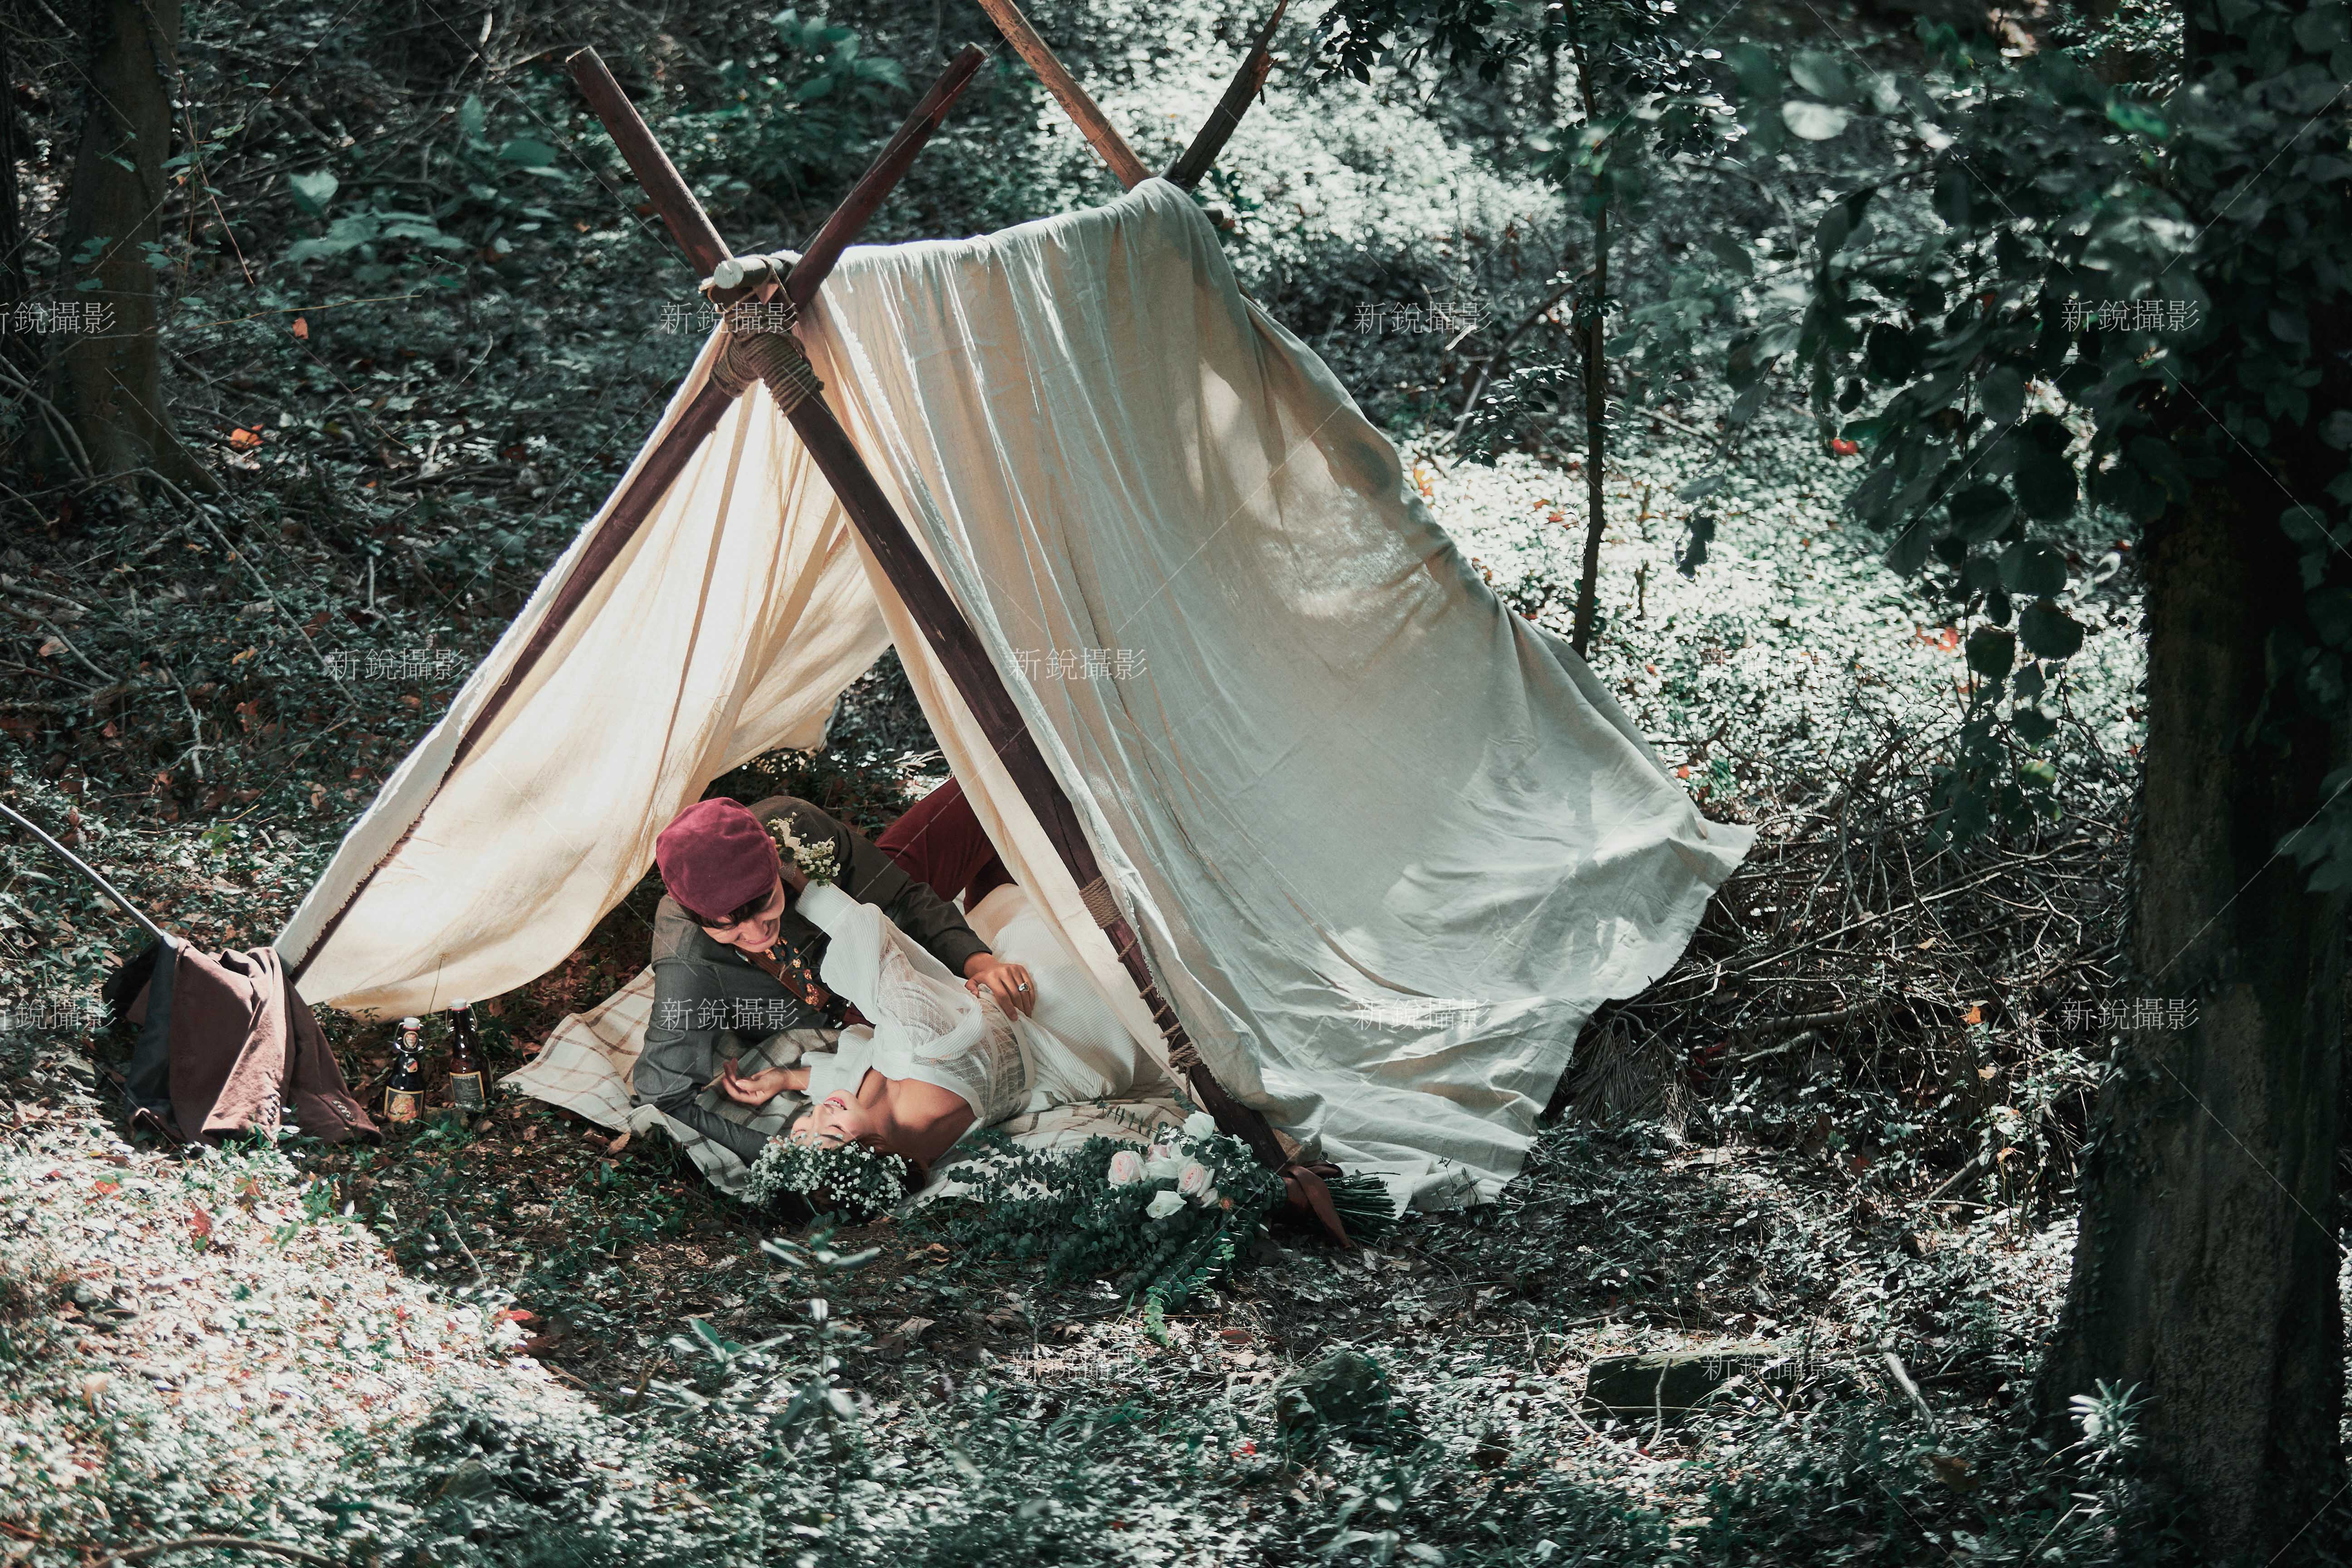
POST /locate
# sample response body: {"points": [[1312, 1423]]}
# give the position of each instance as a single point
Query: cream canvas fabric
{"points": [[1386, 843]]}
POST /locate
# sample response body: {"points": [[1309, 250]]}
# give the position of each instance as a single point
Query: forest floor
{"points": [[359, 1326]]}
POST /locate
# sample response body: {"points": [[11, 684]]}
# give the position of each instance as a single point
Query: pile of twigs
{"points": [[1850, 944]]}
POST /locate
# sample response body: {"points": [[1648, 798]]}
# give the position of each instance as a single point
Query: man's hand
{"points": [[796, 879], [761, 1086], [1008, 983]]}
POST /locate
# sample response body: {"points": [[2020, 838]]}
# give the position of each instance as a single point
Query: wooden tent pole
{"points": [[675, 202], [776, 359], [850, 217], [688, 224], [634, 504], [1219, 128], [1083, 112]]}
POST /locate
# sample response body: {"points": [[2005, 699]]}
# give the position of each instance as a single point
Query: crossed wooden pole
{"points": [[762, 297]]}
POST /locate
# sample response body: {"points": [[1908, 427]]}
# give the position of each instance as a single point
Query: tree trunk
{"points": [[1596, 440], [14, 289], [110, 378], [1596, 362], [2206, 1268]]}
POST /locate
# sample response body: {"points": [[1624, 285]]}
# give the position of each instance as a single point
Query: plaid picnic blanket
{"points": [[585, 1063]]}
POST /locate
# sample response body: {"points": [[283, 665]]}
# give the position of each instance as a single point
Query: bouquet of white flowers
{"points": [[1165, 1221], [816, 861]]}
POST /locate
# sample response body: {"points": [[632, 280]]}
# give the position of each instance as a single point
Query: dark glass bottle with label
{"points": [[469, 1084], [404, 1095]]}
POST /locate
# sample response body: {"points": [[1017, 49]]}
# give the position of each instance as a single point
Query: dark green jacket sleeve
{"points": [[686, 1040], [873, 878]]}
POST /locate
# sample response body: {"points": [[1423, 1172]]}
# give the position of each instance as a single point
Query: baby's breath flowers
{"points": [[817, 861], [849, 1176]]}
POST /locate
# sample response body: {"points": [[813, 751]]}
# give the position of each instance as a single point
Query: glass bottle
{"points": [[404, 1095], [469, 1084]]}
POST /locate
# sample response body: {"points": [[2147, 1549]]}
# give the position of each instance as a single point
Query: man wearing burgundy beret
{"points": [[734, 959]]}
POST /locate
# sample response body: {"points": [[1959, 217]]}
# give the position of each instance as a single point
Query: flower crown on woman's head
{"points": [[830, 1175]]}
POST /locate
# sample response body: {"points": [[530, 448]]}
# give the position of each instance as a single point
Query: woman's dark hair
{"points": [[743, 911]]}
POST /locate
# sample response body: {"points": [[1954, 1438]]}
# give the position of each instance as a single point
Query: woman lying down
{"points": [[839, 966]]}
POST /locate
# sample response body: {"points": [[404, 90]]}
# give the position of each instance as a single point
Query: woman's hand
{"points": [[761, 1086], [984, 973]]}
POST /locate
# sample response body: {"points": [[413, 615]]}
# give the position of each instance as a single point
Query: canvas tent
{"points": [[1387, 844]]}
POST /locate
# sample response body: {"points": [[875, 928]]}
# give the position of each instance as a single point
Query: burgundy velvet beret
{"points": [[715, 857]]}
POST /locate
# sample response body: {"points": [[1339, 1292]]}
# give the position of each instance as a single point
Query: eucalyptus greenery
{"points": [[1163, 1227]]}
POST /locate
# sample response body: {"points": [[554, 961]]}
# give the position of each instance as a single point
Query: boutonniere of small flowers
{"points": [[816, 861]]}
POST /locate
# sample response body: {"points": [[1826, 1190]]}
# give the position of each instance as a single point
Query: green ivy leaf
{"points": [[1821, 75], [1952, 200], [342, 235], [1909, 551], [2033, 725], [2046, 485], [1981, 512], [312, 192], [2001, 392], [1731, 253], [1752, 63], [1991, 652], [528, 151], [1869, 498], [1830, 233], [2319, 28], [1766, 131], [2135, 117]]}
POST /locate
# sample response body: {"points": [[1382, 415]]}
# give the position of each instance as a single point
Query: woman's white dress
{"points": [[928, 1027]]}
